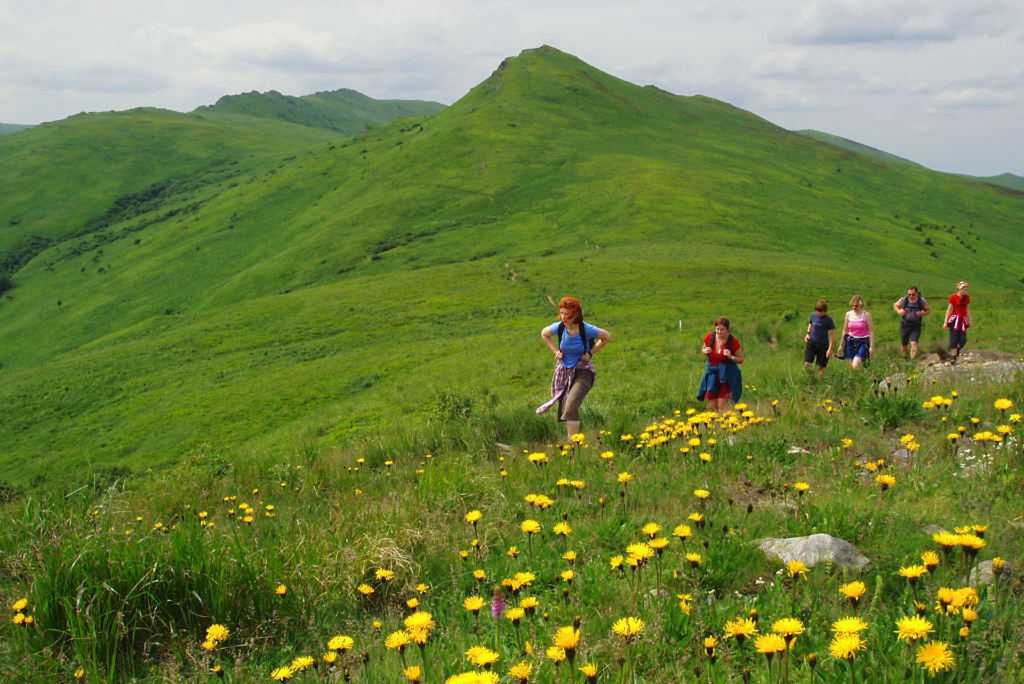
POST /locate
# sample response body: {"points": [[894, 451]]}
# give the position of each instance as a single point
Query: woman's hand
{"points": [[727, 353], [558, 354], [705, 349]]}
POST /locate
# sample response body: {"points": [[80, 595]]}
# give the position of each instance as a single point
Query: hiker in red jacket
{"points": [[958, 318]]}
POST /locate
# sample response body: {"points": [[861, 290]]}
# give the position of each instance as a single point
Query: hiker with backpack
{"points": [[574, 344], [722, 380], [911, 308]]}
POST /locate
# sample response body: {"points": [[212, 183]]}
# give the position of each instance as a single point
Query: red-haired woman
{"points": [[574, 344], [722, 380]]}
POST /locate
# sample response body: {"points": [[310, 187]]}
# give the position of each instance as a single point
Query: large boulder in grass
{"points": [[817, 548]]}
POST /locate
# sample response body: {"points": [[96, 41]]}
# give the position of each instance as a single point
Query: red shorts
{"points": [[724, 392]]}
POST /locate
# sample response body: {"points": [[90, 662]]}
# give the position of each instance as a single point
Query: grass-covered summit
{"points": [[332, 286], [345, 111]]}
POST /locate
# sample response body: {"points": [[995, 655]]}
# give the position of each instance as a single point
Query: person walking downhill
{"points": [[911, 308], [722, 380], [958, 318], [574, 344], [858, 332], [820, 337]]}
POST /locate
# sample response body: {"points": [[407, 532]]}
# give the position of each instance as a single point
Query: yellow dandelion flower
{"points": [[788, 627], [413, 674], [885, 481], [365, 589], [567, 637], [530, 526], [396, 641], [555, 654], [849, 625], [473, 517], [913, 572], [217, 633], [341, 642], [770, 644], [854, 591], [797, 568], [521, 672], [481, 656], [281, 590], [1002, 404], [651, 529], [629, 628], [912, 628], [474, 604], [740, 628], [282, 674], [936, 657], [846, 646], [302, 663]]}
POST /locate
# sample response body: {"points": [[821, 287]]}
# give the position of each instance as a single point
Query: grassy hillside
{"points": [[7, 129], [88, 173], [347, 291], [345, 111], [854, 146]]}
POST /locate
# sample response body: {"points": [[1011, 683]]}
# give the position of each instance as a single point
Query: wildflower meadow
{"points": [[620, 556]]}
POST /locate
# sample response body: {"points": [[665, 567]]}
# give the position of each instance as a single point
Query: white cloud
{"points": [[974, 97], [849, 22]]}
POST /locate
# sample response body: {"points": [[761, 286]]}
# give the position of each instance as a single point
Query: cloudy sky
{"points": [[940, 82]]}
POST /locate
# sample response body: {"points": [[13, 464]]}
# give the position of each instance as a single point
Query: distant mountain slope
{"points": [[79, 174], [344, 111], [854, 146], [1007, 180], [6, 129], [332, 290]]}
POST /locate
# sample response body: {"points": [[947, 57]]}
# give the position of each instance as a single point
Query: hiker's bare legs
{"points": [[572, 427]]}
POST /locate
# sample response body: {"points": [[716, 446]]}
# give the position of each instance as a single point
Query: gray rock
{"points": [[982, 574], [972, 366], [932, 529], [902, 454], [817, 548], [797, 450], [893, 383]]}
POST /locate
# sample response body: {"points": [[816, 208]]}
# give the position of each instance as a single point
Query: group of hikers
{"points": [[574, 344]]}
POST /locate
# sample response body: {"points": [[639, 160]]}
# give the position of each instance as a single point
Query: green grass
{"points": [[344, 111], [324, 291], [123, 579]]}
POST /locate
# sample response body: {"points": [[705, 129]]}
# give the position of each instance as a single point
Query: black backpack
{"points": [[587, 344]]}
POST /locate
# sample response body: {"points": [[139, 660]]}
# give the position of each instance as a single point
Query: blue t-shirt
{"points": [[820, 325], [572, 345]]}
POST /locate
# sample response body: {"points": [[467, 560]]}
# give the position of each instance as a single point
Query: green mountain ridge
{"points": [[345, 111], [1006, 180], [329, 289], [7, 129]]}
